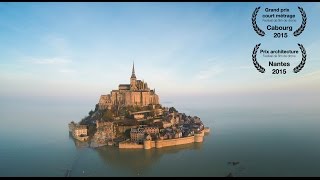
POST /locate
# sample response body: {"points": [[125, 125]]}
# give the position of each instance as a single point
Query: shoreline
{"points": [[148, 144]]}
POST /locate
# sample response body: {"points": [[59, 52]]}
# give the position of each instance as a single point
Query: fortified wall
{"points": [[163, 143]]}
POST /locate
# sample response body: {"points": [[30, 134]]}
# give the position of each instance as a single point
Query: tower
{"points": [[133, 80]]}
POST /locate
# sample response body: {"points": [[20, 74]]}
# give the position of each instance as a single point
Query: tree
{"points": [[127, 133], [150, 107], [107, 115], [137, 108], [122, 111], [127, 115], [158, 106], [172, 109], [91, 130], [96, 108], [91, 113], [152, 113]]}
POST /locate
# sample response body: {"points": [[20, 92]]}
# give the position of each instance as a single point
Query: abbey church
{"points": [[136, 93]]}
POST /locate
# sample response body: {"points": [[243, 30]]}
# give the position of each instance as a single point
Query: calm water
{"points": [[35, 142]]}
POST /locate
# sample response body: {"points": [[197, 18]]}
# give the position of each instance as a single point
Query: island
{"points": [[132, 117]]}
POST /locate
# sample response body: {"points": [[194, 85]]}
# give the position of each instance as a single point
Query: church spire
{"points": [[133, 75]]}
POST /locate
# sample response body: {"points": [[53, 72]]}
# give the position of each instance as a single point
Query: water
{"points": [[276, 142]]}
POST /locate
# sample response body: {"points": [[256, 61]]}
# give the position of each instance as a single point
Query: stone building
{"points": [[166, 124], [137, 135], [141, 114], [77, 129], [174, 118], [105, 102], [135, 93], [196, 119], [151, 130], [80, 130], [71, 126]]}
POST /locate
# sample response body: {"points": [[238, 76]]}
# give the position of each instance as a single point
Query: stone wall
{"points": [[163, 143], [206, 130], [99, 137], [85, 138], [174, 142], [130, 145], [198, 137]]}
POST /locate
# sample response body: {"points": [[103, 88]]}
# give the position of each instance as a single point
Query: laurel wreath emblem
{"points": [[303, 24], [254, 59], [254, 23], [303, 59], [296, 32], [262, 33]]}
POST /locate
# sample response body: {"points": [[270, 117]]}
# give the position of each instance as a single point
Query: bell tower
{"points": [[133, 80]]}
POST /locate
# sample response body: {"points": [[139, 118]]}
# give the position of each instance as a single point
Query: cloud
{"points": [[312, 76], [54, 60], [242, 67], [67, 70], [210, 70], [58, 44]]}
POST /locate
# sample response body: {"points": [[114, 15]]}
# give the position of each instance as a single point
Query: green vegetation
{"points": [[152, 113], [134, 108], [158, 106], [110, 114], [172, 109], [96, 108], [91, 130], [107, 115], [127, 134], [91, 113]]}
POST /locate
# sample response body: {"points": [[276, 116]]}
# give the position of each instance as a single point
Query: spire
{"points": [[133, 75]]}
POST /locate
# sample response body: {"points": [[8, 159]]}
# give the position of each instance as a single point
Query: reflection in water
{"points": [[80, 146], [137, 160], [77, 143]]}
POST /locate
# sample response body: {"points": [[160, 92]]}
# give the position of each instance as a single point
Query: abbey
{"points": [[136, 93]]}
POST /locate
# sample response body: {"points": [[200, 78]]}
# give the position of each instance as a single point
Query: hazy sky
{"points": [[200, 50]]}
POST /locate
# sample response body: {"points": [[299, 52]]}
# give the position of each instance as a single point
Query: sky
{"points": [[198, 53]]}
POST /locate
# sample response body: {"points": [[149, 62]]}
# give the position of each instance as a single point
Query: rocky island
{"points": [[132, 117]]}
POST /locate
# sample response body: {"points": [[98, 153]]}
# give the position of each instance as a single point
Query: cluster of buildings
{"points": [[78, 131], [153, 123], [175, 125]]}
